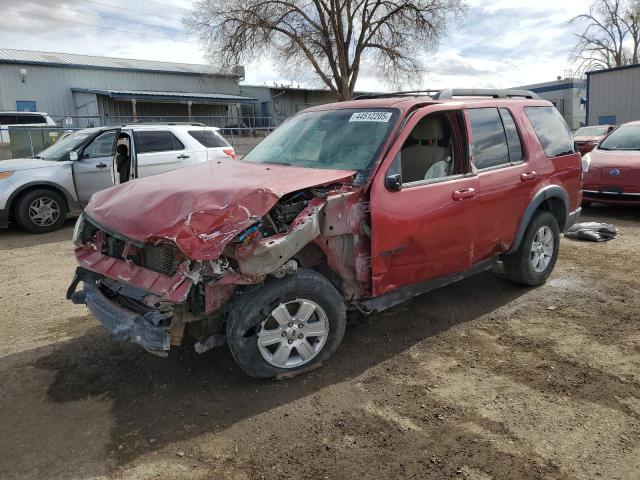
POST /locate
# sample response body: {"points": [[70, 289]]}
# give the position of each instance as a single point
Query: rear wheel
{"points": [[286, 325], [41, 211], [534, 260]]}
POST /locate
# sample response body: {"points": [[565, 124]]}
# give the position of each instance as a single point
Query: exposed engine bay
{"points": [[325, 228]]}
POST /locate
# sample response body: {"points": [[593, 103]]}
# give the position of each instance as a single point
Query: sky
{"points": [[499, 43]]}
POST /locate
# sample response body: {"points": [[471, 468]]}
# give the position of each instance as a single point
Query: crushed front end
{"points": [[153, 294]]}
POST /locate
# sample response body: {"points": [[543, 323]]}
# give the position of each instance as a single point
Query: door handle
{"points": [[101, 165], [526, 176], [465, 193], [181, 156]]}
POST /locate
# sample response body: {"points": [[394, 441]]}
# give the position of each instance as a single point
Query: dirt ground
{"points": [[478, 380]]}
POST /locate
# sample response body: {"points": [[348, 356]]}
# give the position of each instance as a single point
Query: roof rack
{"points": [[365, 96], [449, 93], [484, 92]]}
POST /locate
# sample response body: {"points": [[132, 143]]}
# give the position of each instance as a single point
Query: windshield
{"points": [[347, 139], [62, 146], [626, 137], [590, 131]]}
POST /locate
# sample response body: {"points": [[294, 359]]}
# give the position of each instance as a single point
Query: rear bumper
{"points": [[124, 324]]}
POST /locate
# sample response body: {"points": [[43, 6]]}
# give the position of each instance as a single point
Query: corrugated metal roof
{"points": [[94, 61], [142, 94]]}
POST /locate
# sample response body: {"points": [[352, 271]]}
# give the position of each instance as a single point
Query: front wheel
{"points": [[286, 325], [41, 211], [534, 260]]}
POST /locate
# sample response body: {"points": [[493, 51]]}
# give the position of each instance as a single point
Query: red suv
{"points": [[361, 204]]}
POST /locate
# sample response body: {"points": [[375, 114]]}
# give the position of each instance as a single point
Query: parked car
{"points": [[587, 138], [39, 192], [613, 168], [20, 119], [361, 205]]}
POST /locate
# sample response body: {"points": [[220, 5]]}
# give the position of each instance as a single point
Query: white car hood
{"points": [[17, 164]]}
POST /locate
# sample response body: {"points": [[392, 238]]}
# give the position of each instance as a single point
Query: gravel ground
{"points": [[478, 380]]}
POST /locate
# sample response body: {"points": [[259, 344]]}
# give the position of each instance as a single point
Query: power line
{"points": [[166, 5], [100, 15], [113, 29], [132, 10]]}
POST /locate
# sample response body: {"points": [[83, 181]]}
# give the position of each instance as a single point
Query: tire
{"points": [[252, 324], [519, 265], [26, 214]]}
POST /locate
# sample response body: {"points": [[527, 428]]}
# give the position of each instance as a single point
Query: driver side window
{"points": [[102, 146], [432, 149]]}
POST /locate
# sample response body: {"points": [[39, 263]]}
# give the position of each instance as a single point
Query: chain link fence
{"points": [[23, 141]]}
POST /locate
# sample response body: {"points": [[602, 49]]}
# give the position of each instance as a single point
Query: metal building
{"points": [[84, 90], [568, 95], [613, 95]]}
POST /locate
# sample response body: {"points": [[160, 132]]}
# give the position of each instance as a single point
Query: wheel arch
{"points": [[27, 187], [552, 198]]}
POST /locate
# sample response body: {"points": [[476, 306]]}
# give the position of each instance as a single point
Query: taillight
{"points": [[230, 152]]}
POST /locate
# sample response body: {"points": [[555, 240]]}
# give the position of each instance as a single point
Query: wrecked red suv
{"points": [[354, 205]]}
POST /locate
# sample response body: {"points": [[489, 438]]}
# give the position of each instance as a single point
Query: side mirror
{"points": [[73, 155], [393, 182]]}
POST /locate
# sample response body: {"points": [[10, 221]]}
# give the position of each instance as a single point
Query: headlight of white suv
{"points": [[77, 230], [6, 174]]}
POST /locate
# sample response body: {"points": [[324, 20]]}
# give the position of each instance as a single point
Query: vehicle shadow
{"points": [[610, 213], [189, 395], [15, 237]]}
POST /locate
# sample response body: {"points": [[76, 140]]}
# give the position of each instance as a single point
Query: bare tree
{"points": [[611, 36], [333, 38], [631, 20]]}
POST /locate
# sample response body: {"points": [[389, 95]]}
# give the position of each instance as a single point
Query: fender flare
{"points": [[542, 195], [71, 202]]}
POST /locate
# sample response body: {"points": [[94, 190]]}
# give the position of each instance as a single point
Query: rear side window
{"points": [[489, 139], [31, 119], [158, 141], [551, 129], [8, 120], [209, 138], [513, 138]]}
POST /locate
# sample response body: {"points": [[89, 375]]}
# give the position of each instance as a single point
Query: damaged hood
{"points": [[202, 208]]}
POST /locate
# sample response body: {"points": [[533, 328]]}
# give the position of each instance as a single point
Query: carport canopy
{"points": [[143, 95]]}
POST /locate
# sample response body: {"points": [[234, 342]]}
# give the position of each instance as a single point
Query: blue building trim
{"points": [[612, 69], [587, 107], [553, 88]]}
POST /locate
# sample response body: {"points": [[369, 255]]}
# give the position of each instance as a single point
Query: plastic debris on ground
{"points": [[592, 232]]}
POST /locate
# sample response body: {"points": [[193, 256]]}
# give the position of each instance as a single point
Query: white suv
{"points": [[39, 192], [22, 119]]}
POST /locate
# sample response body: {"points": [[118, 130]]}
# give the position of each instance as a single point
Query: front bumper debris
{"points": [[125, 325]]}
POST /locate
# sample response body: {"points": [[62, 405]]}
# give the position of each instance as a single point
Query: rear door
{"points": [[423, 229], [92, 170], [159, 151], [505, 181]]}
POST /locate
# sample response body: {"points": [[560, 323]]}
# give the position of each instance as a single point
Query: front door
{"points": [[92, 170], [423, 227]]}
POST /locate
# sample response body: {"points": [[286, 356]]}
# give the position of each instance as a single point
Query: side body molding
{"points": [[550, 191]]}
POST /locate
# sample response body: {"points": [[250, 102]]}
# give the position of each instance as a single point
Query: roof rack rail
{"points": [[449, 93], [365, 96], [484, 92]]}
